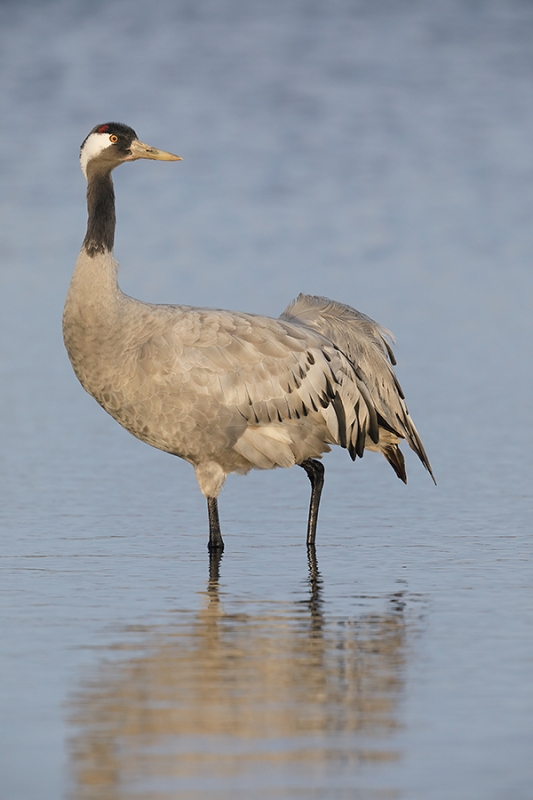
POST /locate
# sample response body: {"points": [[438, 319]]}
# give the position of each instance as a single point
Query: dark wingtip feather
{"points": [[394, 456], [341, 418]]}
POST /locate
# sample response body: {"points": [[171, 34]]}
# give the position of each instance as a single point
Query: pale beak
{"points": [[141, 150]]}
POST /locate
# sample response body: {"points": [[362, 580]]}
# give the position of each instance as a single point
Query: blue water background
{"points": [[377, 153]]}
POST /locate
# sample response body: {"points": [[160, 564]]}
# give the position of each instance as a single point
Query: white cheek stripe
{"points": [[94, 144]]}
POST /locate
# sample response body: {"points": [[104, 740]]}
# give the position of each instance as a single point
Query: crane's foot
{"points": [[216, 543], [315, 473]]}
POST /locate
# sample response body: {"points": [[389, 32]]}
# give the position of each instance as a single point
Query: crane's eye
{"points": [[113, 138]]}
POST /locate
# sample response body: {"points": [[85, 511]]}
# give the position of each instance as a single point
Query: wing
{"points": [[286, 381], [366, 345]]}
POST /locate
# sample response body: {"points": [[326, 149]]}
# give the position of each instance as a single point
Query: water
{"points": [[376, 153]]}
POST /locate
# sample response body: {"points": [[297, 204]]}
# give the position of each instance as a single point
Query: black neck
{"points": [[101, 221]]}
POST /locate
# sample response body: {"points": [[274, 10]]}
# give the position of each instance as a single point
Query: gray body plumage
{"points": [[230, 391]]}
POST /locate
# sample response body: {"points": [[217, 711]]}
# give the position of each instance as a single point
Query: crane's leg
{"points": [[216, 543], [215, 558], [315, 473]]}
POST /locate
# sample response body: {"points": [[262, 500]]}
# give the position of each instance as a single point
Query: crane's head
{"points": [[110, 144]]}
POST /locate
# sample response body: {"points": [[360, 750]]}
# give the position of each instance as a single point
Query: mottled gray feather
{"points": [[365, 343]]}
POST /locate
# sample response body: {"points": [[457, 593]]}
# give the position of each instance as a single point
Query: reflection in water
{"points": [[216, 704]]}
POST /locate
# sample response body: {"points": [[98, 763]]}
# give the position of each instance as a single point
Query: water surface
{"points": [[379, 154]]}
